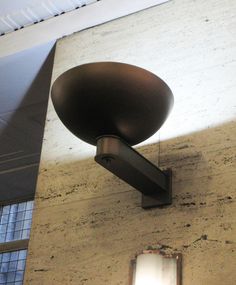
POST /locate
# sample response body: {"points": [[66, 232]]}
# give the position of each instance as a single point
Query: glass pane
{"points": [[17, 235], [12, 266], [22, 254], [19, 276], [27, 224], [6, 257], [11, 276], [9, 236], [4, 267], [20, 216], [21, 265], [25, 234], [13, 208], [28, 214], [3, 278], [19, 225], [14, 255], [3, 228], [4, 219], [2, 237], [21, 207], [12, 217], [30, 205], [6, 210], [11, 226]]}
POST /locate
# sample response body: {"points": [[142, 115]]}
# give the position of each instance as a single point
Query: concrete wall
{"points": [[88, 224]]}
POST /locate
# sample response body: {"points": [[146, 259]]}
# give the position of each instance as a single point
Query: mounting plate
{"points": [[157, 199]]}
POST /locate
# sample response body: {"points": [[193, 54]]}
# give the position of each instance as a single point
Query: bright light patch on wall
{"points": [[148, 269], [154, 268]]}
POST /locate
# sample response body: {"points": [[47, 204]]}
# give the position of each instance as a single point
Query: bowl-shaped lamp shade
{"points": [[111, 99]]}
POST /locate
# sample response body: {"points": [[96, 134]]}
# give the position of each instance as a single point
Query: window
{"points": [[12, 266], [15, 223]]}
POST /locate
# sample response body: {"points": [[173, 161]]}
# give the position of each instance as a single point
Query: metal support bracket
{"points": [[129, 165]]}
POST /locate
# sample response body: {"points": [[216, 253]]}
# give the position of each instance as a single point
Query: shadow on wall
{"points": [[92, 219], [25, 82]]}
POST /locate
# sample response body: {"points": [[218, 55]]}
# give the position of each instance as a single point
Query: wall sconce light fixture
{"points": [[152, 267], [114, 106]]}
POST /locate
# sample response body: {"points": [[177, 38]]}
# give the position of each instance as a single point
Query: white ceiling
{"points": [[18, 14]]}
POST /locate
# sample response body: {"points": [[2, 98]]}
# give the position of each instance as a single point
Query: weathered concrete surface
{"points": [[88, 224]]}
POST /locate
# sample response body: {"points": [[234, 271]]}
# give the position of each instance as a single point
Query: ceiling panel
{"points": [[16, 15]]}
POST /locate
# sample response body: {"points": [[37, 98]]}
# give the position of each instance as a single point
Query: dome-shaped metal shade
{"points": [[110, 98]]}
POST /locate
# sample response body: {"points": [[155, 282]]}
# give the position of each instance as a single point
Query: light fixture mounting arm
{"points": [[125, 162]]}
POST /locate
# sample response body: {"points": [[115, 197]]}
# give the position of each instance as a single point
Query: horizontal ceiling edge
{"points": [[68, 23]]}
